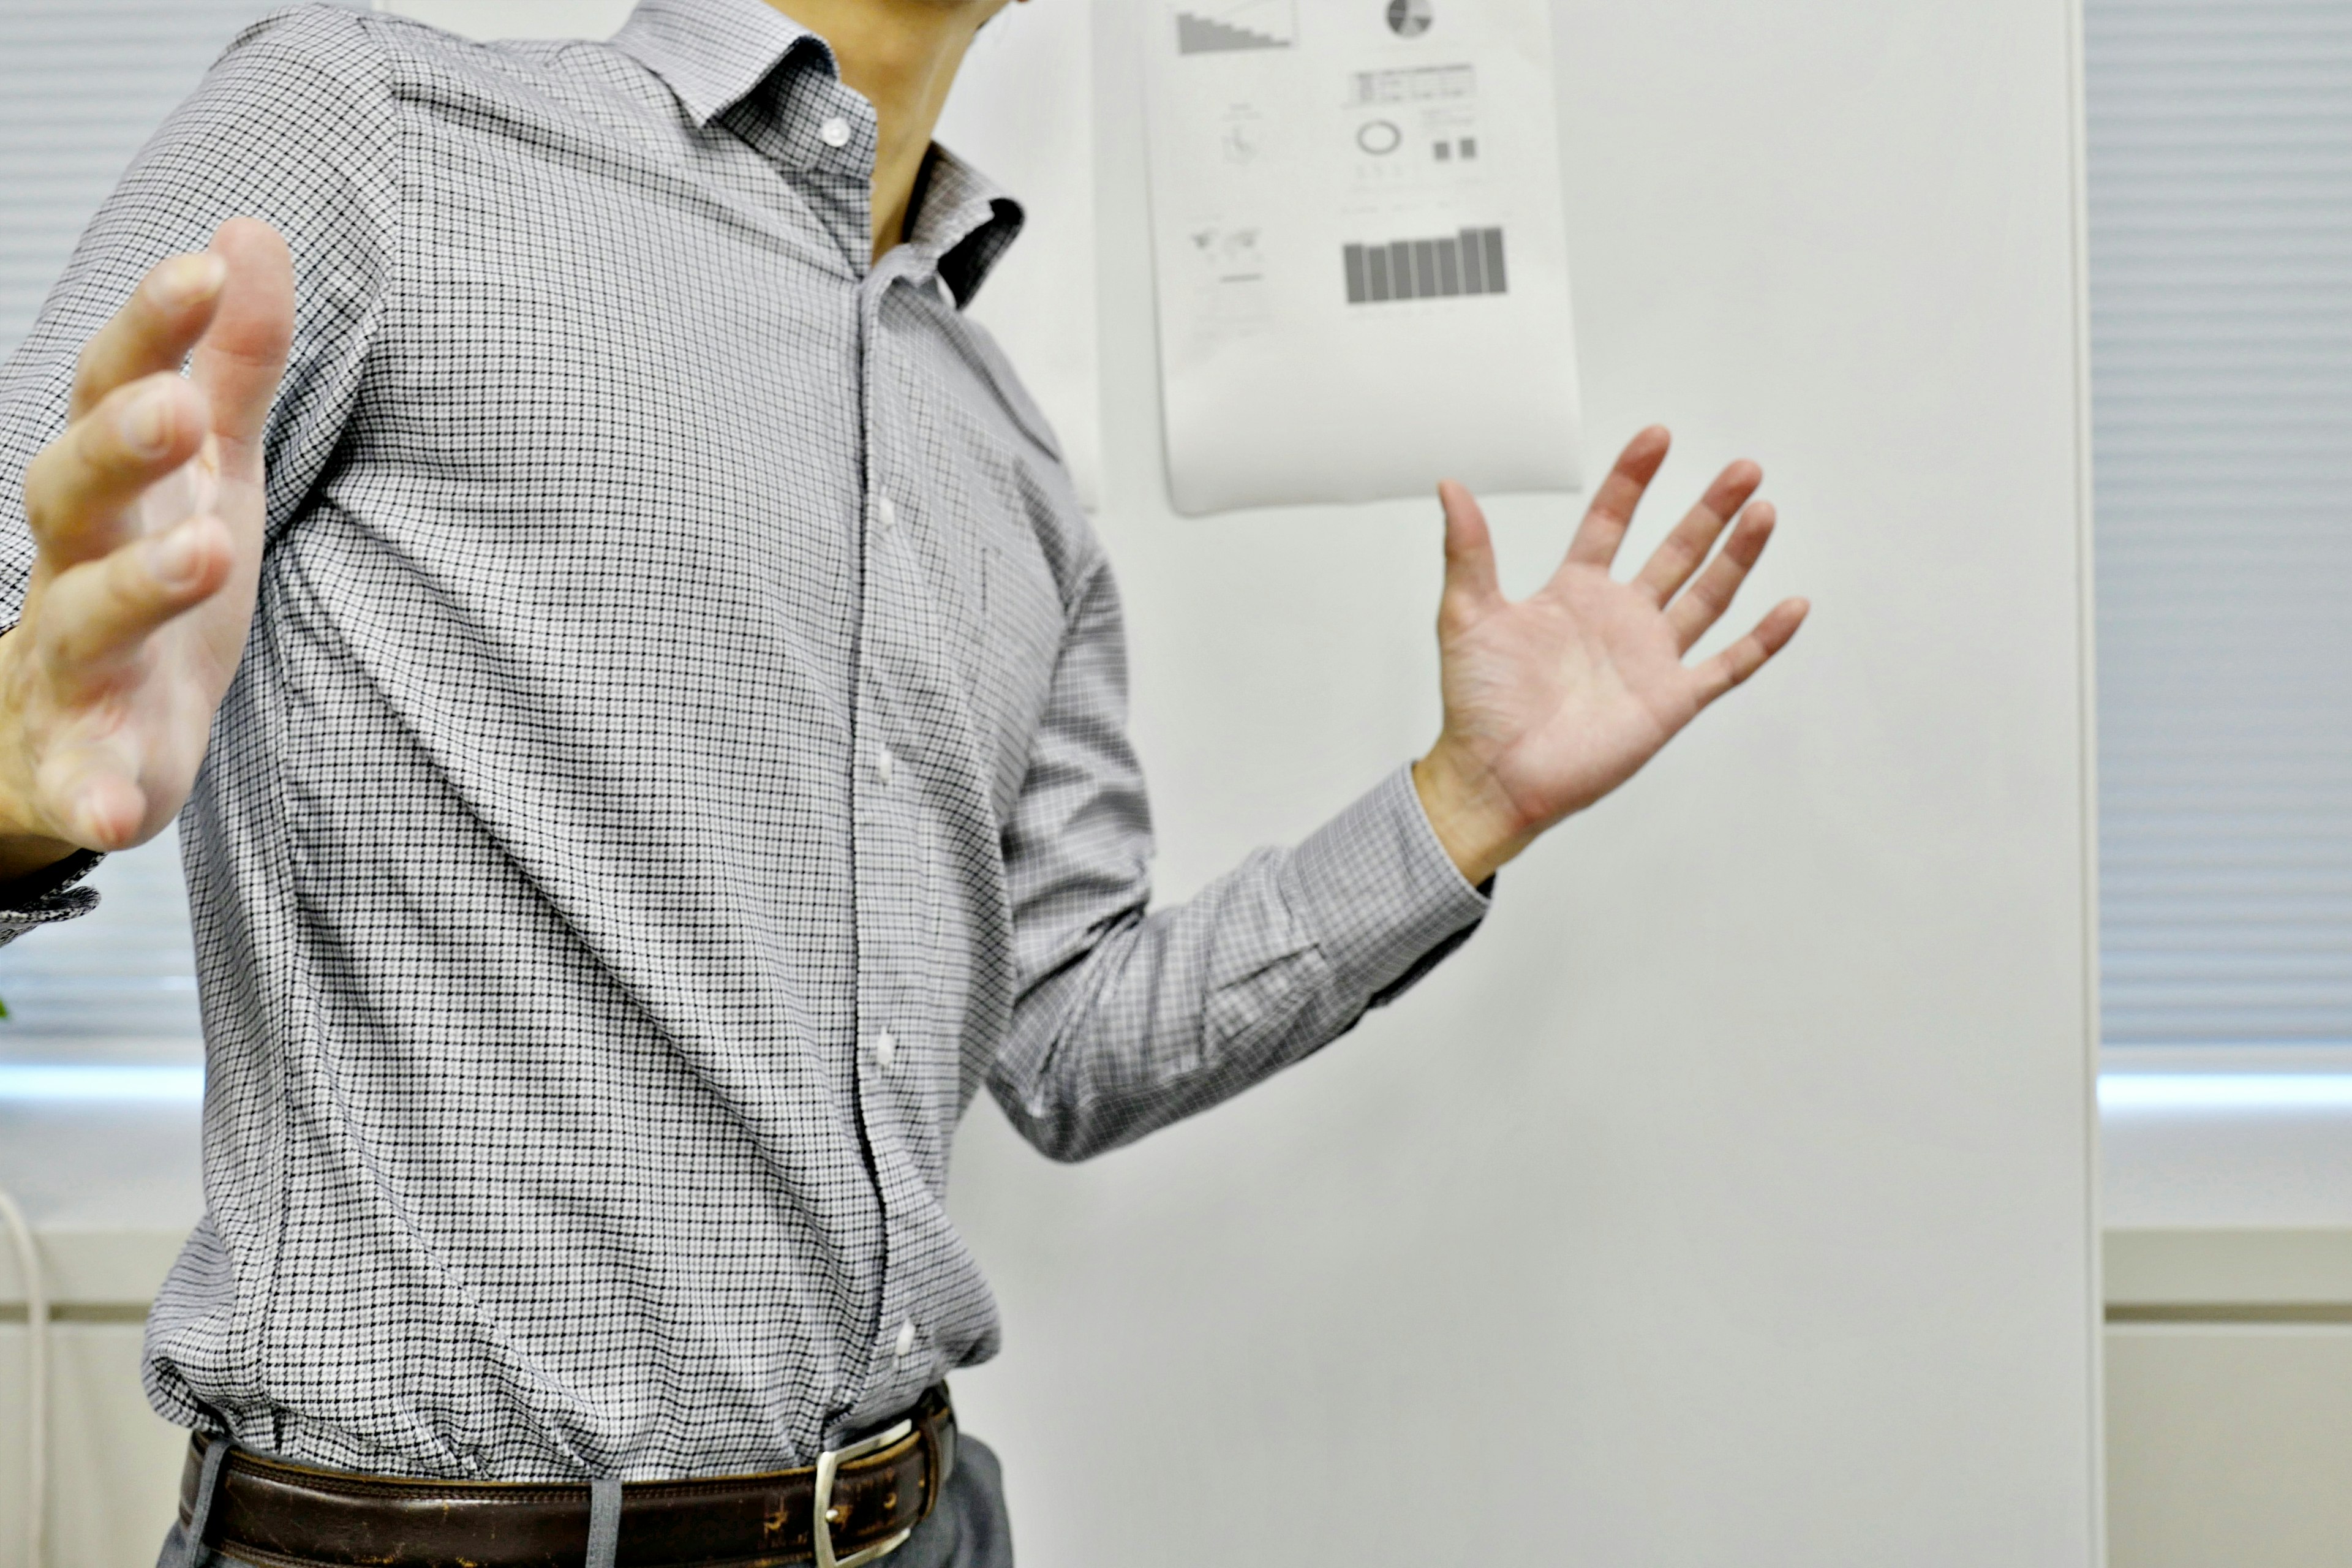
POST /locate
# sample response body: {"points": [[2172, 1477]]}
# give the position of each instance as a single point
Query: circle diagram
{"points": [[1408, 19], [1379, 137]]}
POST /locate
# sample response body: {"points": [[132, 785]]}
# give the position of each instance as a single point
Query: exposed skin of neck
{"points": [[902, 56]]}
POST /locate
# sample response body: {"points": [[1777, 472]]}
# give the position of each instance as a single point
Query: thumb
{"points": [[242, 356], [1470, 582]]}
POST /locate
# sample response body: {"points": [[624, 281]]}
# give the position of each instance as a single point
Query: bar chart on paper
{"points": [[1470, 262], [1227, 26]]}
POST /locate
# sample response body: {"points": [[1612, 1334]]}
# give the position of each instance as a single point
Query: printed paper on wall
{"points": [[1361, 258]]}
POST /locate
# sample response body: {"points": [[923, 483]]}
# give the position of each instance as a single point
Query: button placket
{"points": [[875, 851], [890, 877]]}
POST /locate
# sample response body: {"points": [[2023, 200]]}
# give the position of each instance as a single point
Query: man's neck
{"points": [[902, 55]]}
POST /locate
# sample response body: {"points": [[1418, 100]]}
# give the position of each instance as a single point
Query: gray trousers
{"points": [[969, 1528]]}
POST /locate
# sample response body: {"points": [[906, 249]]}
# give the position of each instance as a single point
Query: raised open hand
{"points": [[1553, 701], [147, 516]]}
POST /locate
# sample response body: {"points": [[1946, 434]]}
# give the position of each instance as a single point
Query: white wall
{"points": [[1728, 1201]]}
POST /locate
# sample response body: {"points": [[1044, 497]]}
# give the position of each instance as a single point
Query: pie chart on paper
{"points": [[1408, 19]]}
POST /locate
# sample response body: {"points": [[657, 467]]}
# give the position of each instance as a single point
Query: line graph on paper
{"points": [[1230, 26]]}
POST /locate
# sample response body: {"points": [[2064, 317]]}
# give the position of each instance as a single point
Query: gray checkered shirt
{"points": [[680, 757]]}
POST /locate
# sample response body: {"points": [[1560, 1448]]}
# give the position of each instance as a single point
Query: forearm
{"points": [[1157, 1017]]}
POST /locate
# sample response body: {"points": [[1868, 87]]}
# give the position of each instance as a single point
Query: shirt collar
{"points": [[711, 53], [963, 222]]}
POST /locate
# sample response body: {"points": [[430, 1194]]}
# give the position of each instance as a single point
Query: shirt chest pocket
{"points": [[1020, 627]]}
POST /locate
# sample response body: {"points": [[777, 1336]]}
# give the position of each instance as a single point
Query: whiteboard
{"points": [[1727, 1201]]}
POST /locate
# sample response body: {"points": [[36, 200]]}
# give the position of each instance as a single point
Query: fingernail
{"points": [[184, 279], [147, 422], [172, 557]]}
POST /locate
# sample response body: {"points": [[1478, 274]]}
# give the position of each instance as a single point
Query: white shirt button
{"points": [[886, 512], [884, 765], [834, 132], [886, 1048], [907, 1337]]}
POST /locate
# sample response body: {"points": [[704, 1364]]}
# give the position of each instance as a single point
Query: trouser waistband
{"points": [[855, 1505]]}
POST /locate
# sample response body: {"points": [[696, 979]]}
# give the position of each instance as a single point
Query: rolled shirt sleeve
{"points": [[1126, 1018]]}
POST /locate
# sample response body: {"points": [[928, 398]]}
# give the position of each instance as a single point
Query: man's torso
{"points": [[596, 871]]}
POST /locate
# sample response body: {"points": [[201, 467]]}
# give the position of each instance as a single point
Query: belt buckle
{"points": [[828, 1466]]}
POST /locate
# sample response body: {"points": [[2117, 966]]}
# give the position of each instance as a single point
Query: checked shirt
{"points": [[678, 761]]}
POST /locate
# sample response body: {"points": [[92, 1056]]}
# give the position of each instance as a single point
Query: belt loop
{"points": [[603, 1522], [216, 1452]]}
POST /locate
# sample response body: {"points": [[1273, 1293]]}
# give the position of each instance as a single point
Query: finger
{"points": [[243, 356], [98, 614], [1750, 653], [76, 487], [92, 794], [1611, 512], [153, 331], [1702, 602], [1671, 565], [1471, 586]]}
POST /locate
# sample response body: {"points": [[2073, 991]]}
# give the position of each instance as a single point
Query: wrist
{"points": [[1474, 822], [23, 854], [24, 848]]}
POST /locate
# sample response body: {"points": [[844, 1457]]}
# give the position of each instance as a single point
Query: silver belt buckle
{"points": [[828, 1466]]}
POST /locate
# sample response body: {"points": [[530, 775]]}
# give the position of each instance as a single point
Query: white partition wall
{"points": [[1726, 1202]]}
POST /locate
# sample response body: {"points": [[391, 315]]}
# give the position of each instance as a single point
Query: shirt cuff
{"points": [[50, 894], [1378, 893]]}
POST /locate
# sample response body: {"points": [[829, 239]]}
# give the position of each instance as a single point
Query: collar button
{"points": [[834, 133]]}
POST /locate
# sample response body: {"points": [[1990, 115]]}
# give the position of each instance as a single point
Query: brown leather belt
{"points": [[278, 1515]]}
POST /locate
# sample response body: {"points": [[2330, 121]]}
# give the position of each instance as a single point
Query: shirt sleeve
{"points": [[51, 894], [1125, 1020], [293, 125]]}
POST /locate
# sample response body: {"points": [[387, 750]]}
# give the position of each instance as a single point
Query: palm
{"points": [[1570, 690], [1554, 700]]}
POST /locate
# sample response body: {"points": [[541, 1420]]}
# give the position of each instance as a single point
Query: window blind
{"points": [[2220, 282], [82, 84]]}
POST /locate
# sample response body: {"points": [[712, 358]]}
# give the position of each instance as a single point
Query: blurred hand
{"points": [[146, 515], [1555, 700]]}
